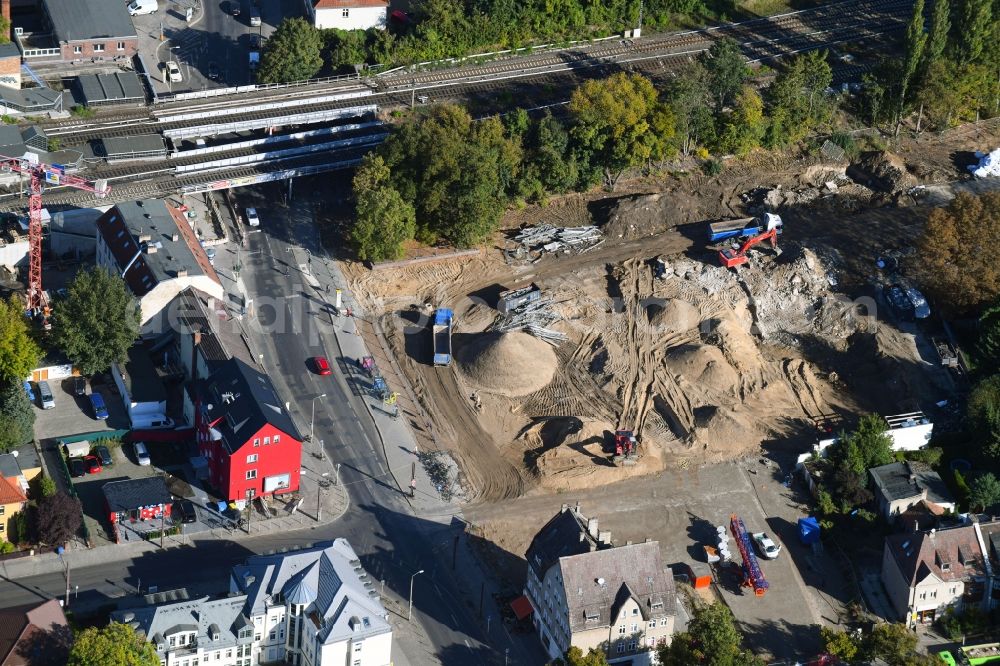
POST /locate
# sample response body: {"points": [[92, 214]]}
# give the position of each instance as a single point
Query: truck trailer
{"points": [[442, 336], [743, 227]]}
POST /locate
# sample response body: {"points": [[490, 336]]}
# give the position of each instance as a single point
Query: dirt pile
{"points": [[882, 171], [511, 364], [704, 366], [646, 214], [672, 316]]}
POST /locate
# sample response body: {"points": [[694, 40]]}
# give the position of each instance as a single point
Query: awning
{"points": [[521, 607]]}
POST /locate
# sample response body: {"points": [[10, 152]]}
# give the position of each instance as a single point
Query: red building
{"points": [[244, 431]]}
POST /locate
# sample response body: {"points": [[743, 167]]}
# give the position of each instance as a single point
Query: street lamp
{"points": [[312, 419], [409, 613]]}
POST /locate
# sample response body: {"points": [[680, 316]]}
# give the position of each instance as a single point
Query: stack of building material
{"points": [[546, 238], [534, 318], [988, 165]]}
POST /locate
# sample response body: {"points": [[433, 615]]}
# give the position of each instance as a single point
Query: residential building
{"points": [[350, 14], [12, 500], [141, 389], [900, 485], [927, 573], [589, 594], [186, 632], [246, 434], [153, 247], [34, 634], [136, 506], [10, 65], [22, 464], [314, 607], [89, 30]]}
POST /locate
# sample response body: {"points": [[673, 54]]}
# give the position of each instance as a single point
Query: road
{"points": [[391, 541]]}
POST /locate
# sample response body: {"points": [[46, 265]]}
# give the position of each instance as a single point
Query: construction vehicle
{"points": [[626, 447], [508, 301], [744, 227], [731, 258], [54, 174], [753, 577], [368, 365], [442, 336]]}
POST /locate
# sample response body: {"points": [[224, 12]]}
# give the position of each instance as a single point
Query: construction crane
{"points": [[753, 577], [53, 174], [731, 258]]}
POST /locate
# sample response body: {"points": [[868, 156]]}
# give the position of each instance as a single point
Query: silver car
{"points": [[45, 395], [141, 454]]}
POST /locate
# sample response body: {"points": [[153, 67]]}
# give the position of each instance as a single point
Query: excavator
{"points": [[626, 448], [731, 258]]}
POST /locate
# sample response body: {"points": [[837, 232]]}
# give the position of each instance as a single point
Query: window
{"points": [[635, 627], [267, 441], [252, 458], [256, 441], [357, 647], [2, 509], [631, 646], [346, 13], [173, 641], [620, 648], [635, 611], [271, 636], [251, 474], [657, 605], [357, 662], [277, 438], [77, 50], [121, 46], [652, 624], [621, 630], [256, 637], [98, 48]]}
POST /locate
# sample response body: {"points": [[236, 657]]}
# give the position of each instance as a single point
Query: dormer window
{"points": [[215, 637]]}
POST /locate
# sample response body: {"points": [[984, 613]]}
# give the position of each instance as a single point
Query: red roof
{"points": [[10, 491], [350, 4], [521, 607]]}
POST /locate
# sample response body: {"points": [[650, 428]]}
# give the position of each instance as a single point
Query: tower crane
{"points": [[753, 577], [52, 174]]}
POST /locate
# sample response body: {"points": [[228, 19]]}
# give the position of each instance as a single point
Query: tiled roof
{"points": [[565, 534], [10, 491], [950, 554], [598, 583], [20, 623], [350, 4], [220, 330], [134, 493]]}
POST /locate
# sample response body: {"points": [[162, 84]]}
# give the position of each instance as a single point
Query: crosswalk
{"points": [[188, 45]]}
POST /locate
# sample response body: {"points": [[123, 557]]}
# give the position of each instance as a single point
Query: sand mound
{"points": [[704, 366], [723, 432], [672, 316], [882, 171], [511, 364]]}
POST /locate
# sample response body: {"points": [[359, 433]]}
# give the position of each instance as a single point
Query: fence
{"points": [[178, 97]]}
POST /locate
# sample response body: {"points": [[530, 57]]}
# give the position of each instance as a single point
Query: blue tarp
{"points": [[808, 530]]}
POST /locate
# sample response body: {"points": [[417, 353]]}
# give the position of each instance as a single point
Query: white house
{"points": [[350, 14], [153, 248], [314, 607], [142, 390]]}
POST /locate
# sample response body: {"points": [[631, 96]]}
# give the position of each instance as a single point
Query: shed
{"points": [[137, 499], [77, 449]]}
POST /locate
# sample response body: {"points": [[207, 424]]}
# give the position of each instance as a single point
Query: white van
{"points": [[140, 7]]}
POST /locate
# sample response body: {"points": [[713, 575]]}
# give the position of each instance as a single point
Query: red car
{"points": [[93, 464], [322, 365]]}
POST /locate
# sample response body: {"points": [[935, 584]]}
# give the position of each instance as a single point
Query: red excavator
{"points": [[626, 447], [731, 258]]}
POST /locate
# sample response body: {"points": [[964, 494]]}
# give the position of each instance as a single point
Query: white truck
{"points": [[140, 7]]}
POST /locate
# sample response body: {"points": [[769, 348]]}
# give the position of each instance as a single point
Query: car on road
{"points": [[173, 72], [214, 73], [100, 409], [79, 386], [141, 453], [255, 41], [254, 17], [183, 511], [252, 219], [93, 464], [77, 468], [104, 455], [321, 365], [765, 544], [45, 395], [233, 8]]}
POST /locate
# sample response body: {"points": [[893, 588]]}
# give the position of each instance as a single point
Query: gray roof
{"points": [[221, 332], [106, 88], [566, 534], [31, 99], [126, 146], [204, 616], [76, 222], [74, 20], [8, 466], [11, 141], [10, 50], [598, 583], [143, 384], [27, 457], [907, 480], [344, 604], [133, 493]]}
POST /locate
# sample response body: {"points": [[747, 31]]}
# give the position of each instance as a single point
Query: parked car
{"points": [[254, 17], [140, 7], [183, 511], [97, 403], [234, 8], [908, 302], [173, 72], [401, 17], [214, 73], [30, 391], [76, 467], [104, 455], [252, 218], [322, 365], [79, 386], [766, 545], [141, 453], [45, 395], [93, 464]]}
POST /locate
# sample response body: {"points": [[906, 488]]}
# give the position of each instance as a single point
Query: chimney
{"points": [[5, 9], [563, 509], [592, 528], [145, 238], [182, 272], [604, 538], [578, 506], [175, 237], [150, 249]]}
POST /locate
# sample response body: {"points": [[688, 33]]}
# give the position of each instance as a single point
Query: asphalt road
{"points": [[392, 543]]}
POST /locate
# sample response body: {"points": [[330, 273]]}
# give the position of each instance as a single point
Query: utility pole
{"points": [[249, 508], [312, 419], [162, 513], [409, 613]]}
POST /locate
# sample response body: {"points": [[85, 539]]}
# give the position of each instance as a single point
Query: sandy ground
{"points": [[706, 365]]}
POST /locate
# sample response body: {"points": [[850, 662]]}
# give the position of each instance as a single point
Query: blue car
{"points": [[97, 402], [29, 391]]}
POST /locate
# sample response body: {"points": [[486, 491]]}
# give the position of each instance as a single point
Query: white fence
{"points": [[261, 107], [209, 150], [280, 154], [257, 123]]}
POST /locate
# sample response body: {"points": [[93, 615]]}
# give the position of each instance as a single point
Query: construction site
{"points": [[608, 336]]}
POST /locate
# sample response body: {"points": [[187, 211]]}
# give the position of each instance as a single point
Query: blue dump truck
{"points": [[744, 227], [442, 336]]}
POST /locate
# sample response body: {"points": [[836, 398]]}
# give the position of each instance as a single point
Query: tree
{"points": [[711, 638], [727, 70], [687, 94], [46, 487], [17, 416], [745, 125], [97, 321], [612, 120], [384, 221], [984, 492], [988, 344], [937, 40], [952, 265], [983, 413], [972, 30], [345, 48], [575, 657], [868, 446], [59, 517], [892, 642], [915, 41], [293, 53], [841, 644], [114, 645], [18, 352]]}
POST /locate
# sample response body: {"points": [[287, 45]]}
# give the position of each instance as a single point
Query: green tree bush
{"points": [[114, 645], [17, 416], [712, 638], [18, 352], [984, 492], [292, 53], [384, 221]]}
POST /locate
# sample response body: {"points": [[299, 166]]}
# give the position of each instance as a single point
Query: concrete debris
{"points": [[547, 238], [534, 318], [988, 165]]}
